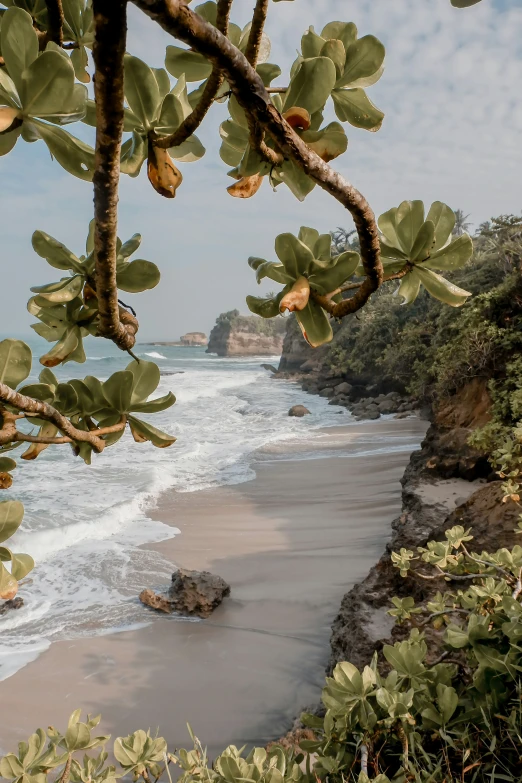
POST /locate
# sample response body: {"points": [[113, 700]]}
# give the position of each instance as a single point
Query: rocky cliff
{"points": [[246, 335], [446, 483]]}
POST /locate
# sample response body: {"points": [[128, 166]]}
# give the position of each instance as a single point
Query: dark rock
{"points": [[191, 593], [326, 392], [13, 603], [269, 367], [403, 415], [343, 388], [372, 415], [387, 406], [299, 411]]}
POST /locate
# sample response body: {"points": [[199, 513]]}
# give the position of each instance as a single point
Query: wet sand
{"points": [[290, 542]]}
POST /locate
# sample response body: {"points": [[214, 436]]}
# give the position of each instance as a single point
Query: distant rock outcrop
{"points": [[246, 335], [191, 593], [297, 355], [193, 338]]}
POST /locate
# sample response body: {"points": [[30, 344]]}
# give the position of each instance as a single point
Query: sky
{"points": [[452, 132]]}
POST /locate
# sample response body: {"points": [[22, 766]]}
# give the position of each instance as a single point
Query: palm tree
{"points": [[461, 224]]}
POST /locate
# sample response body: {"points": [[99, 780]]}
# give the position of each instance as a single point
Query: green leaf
{"points": [[408, 221], [8, 92], [266, 308], [363, 59], [118, 390], [73, 155], [77, 736], [315, 324], [130, 246], [141, 90], [387, 223], [143, 431], [7, 464], [11, 515], [80, 61], [65, 290], [295, 179], [343, 267], [133, 154], [235, 140], [423, 242], [48, 88], [146, 377], [8, 140], [155, 406], [328, 143], [21, 565], [189, 151], [171, 115], [442, 289], [162, 78], [311, 44], [355, 107], [334, 49], [308, 236], [311, 85], [18, 43], [55, 253], [15, 362], [8, 583], [138, 275], [194, 66], [295, 256], [443, 217], [39, 391], [344, 31], [409, 287], [464, 3], [453, 256]]}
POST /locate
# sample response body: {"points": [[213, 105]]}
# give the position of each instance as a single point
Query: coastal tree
{"points": [[50, 50]]}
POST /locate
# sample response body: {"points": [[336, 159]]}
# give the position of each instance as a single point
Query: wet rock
{"points": [[343, 388], [387, 406], [299, 411], [191, 593], [326, 392], [14, 603], [269, 367]]}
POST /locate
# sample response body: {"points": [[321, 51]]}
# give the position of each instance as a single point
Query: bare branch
{"points": [[110, 20], [21, 436], [257, 142], [331, 307], [178, 20], [41, 410], [55, 22], [256, 31], [214, 82]]}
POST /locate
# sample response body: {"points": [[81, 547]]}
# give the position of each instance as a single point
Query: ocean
{"points": [[87, 526]]}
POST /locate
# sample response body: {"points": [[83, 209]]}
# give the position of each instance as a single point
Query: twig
{"points": [[256, 32], [257, 142], [177, 19], [364, 759], [55, 19], [42, 410], [21, 436], [191, 123], [319, 298], [440, 614], [485, 563], [110, 22], [518, 586], [405, 748]]}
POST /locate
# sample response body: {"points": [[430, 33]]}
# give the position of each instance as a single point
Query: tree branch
{"points": [[110, 21], [256, 32], [331, 307], [178, 20], [56, 19], [191, 123], [41, 410], [23, 437]]}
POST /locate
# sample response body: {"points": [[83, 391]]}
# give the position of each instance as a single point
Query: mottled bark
{"points": [[256, 32], [110, 21], [55, 22]]}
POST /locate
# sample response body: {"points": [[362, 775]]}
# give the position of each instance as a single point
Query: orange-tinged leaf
{"points": [[297, 117], [297, 298], [8, 116], [6, 480], [164, 177], [246, 187]]}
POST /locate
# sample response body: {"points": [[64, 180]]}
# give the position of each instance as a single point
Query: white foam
{"points": [[87, 527], [155, 355]]}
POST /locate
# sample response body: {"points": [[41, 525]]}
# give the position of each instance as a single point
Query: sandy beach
{"points": [[290, 542]]}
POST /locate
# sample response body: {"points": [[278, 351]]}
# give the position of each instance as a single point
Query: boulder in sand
{"points": [[191, 593], [299, 411], [13, 603]]}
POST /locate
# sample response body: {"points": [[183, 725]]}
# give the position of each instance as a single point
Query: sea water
{"points": [[87, 526]]}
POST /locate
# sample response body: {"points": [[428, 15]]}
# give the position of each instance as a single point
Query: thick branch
{"points": [[331, 307], [178, 20], [256, 31], [191, 123], [41, 410], [55, 21], [110, 20]]}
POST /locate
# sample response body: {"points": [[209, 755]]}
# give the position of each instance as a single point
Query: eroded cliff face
{"points": [[446, 483], [243, 335]]}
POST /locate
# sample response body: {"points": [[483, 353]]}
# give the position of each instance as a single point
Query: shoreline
{"points": [[243, 675]]}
